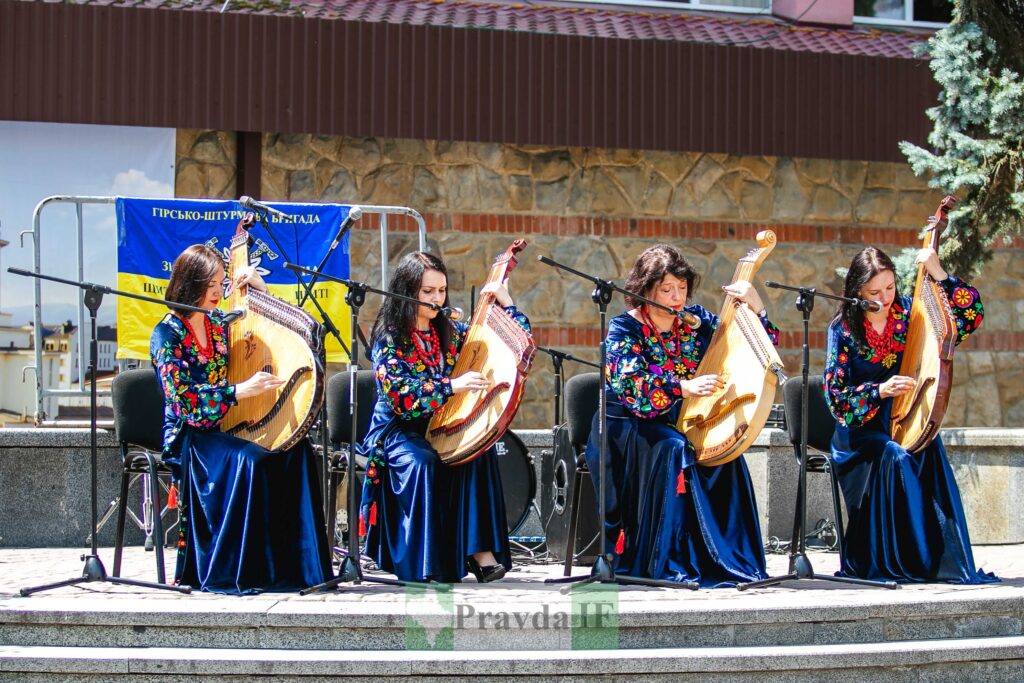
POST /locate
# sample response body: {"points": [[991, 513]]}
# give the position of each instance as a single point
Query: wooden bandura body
{"points": [[723, 425], [498, 347], [928, 356], [279, 338]]}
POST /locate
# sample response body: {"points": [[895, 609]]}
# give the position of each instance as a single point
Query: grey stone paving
{"points": [[20, 567]]}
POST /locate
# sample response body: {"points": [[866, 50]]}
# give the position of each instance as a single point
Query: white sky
{"points": [[39, 160]]}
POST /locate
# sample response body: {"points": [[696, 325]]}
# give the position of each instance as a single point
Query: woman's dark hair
{"points": [[401, 315], [869, 262], [191, 275], [653, 265]]}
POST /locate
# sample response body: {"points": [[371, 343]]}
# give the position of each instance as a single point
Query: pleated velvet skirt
{"points": [[252, 519], [704, 529], [424, 519], [905, 518]]}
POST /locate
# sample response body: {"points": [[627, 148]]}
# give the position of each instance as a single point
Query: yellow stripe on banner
{"points": [[331, 296], [136, 319]]}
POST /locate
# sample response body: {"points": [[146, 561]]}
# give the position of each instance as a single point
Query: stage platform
{"points": [[516, 629]]}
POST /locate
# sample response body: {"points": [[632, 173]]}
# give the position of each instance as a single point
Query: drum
{"points": [[518, 480]]}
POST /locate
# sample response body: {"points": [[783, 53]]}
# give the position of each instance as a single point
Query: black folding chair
{"points": [[820, 427], [339, 432], [138, 421], [581, 396]]}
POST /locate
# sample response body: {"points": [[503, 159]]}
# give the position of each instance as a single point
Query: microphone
{"points": [[250, 203], [354, 214], [452, 312], [866, 305], [689, 319], [233, 315]]}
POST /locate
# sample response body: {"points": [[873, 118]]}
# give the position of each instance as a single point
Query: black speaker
{"points": [[558, 480]]}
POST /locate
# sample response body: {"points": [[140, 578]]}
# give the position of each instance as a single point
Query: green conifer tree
{"points": [[978, 134]]}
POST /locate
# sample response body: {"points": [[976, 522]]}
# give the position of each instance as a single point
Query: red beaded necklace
{"points": [[206, 350], [882, 342], [674, 334], [428, 346]]}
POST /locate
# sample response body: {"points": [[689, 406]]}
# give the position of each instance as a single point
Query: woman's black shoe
{"points": [[491, 572]]}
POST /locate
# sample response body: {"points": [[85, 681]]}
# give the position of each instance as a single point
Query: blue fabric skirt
{"points": [[252, 519], [709, 534], [906, 521], [429, 518]]}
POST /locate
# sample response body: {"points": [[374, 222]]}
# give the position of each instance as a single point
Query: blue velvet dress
{"points": [[905, 518], [424, 519], [666, 516], [252, 520]]}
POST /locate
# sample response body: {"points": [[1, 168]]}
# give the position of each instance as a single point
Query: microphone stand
{"points": [[799, 564], [603, 570], [556, 360], [260, 212], [354, 214], [261, 216], [94, 570], [350, 571]]}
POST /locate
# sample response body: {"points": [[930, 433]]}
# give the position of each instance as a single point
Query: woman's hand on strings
{"points": [[896, 386], [745, 292], [705, 385], [470, 381], [247, 275], [257, 384], [930, 259], [500, 291]]}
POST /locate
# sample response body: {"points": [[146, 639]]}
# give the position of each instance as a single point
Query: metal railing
{"points": [[43, 392]]}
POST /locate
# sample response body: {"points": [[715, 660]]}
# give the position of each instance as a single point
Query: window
{"points": [[903, 11], [720, 5]]}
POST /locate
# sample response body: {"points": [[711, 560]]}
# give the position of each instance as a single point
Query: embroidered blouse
{"points": [[853, 373], [193, 378], [645, 367], [410, 385]]}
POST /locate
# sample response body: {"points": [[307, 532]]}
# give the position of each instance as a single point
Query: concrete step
{"points": [[970, 659], [486, 619]]}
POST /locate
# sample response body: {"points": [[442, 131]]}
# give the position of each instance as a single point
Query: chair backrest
{"points": [[581, 396], [138, 408], [339, 420], [820, 423]]}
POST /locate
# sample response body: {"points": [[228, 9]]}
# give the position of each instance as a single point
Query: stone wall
{"points": [[596, 209]]}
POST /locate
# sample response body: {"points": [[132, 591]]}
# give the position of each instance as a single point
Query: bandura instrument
{"points": [[723, 425], [928, 355], [279, 338], [498, 347]]}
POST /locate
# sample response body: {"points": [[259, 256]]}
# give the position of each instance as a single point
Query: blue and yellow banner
{"points": [[152, 232]]}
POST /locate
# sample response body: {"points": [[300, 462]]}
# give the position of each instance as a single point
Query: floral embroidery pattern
{"points": [[645, 367], [375, 463], [193, 378], [412, 386], [852, 386], [965, 303], [884, 348]]}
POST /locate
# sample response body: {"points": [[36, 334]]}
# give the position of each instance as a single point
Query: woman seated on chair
{"points": [[426, 521], [666, 517], [905, 519], [251, 519]]}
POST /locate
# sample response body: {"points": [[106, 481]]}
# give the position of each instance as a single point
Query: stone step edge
{"points": [[343, 615], [177, 661]]}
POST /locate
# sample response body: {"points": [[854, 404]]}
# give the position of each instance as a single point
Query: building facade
{"points": [[592, 131]]}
